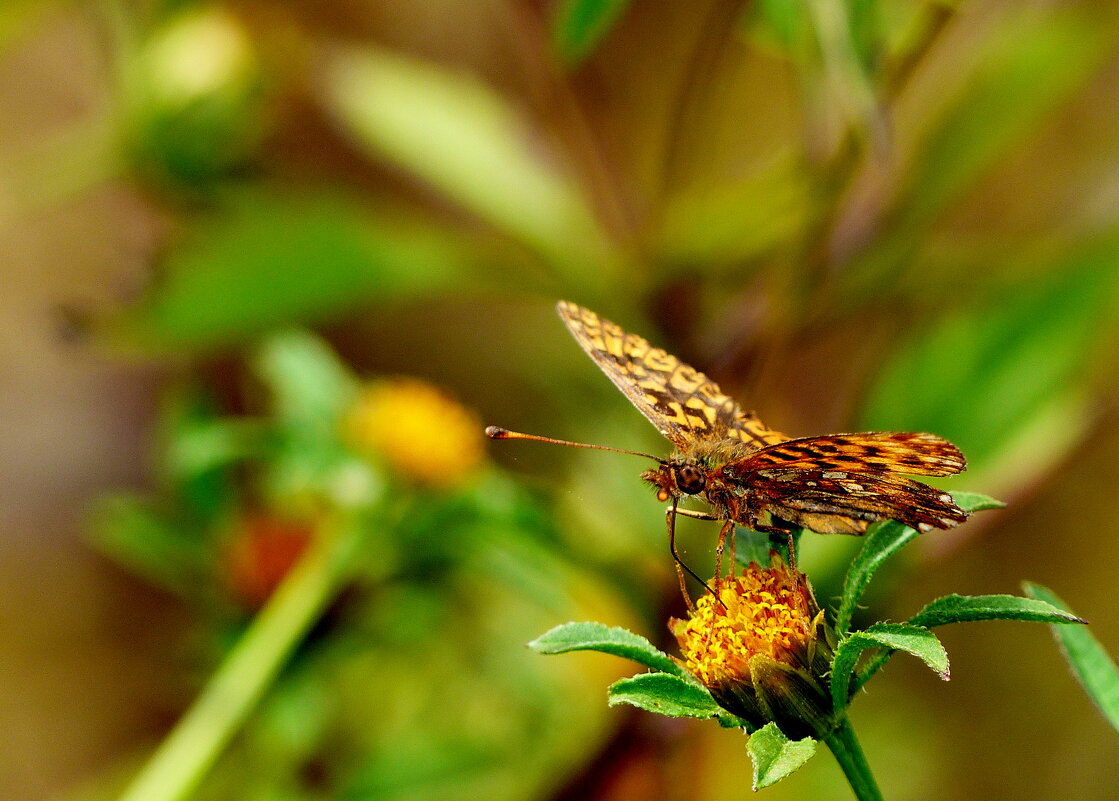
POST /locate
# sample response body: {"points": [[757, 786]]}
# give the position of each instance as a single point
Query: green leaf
{"points": [[666, 695], [914, 640], [265, 262], [775, 756], [461, 137], [310, 386], [311, 389], [133, 532], [608, 640], [579, 26], [883, 541], [968, 608], [1092, 665]]}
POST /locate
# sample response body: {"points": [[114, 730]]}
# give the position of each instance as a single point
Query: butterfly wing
{"points": [[684, 404], [842, 502], [878, 451], [840, 484]]}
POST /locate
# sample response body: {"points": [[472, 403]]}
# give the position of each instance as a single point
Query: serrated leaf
{"points": [[775, 756], [969, 608], [665, 694], [882, 542], [914, 640], [1093, 666], [579, 26], [605, 639]]}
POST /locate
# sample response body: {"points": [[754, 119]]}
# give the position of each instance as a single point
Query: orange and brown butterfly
{"points": [[749, 474]]}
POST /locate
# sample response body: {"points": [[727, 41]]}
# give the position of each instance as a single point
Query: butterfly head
{"points": [[676, 478]]}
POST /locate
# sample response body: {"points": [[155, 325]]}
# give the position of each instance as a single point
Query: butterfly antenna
{"points": [[494, 432]]}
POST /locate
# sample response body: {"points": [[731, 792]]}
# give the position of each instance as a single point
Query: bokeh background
{"points": [[268, 268]]}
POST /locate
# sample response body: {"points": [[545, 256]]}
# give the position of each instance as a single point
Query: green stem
{"points": [[193, 746], [845, 747]]}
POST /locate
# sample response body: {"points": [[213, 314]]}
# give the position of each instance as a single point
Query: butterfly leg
{"points": [[788, 532], [727, 531], [670, 522]]}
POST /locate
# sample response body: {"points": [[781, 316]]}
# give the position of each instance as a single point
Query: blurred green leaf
{"points": [[1092, 665], [986, 375], [914, 640], [207, 446], [580, 25], [736, 222], [883, 541], [608, 640], [785, 24], [310, 389], [198, 450], [665, 694], [1031, 63], [135, 533], [267, 261], [457, 134], [775, 756], [309, 386], [969, 608]]}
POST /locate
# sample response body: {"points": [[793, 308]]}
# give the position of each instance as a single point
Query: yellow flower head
{"points": [[762, 648], [417, 430]]}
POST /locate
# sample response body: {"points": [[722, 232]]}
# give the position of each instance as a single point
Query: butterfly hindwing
{"points": [[845, 502]]}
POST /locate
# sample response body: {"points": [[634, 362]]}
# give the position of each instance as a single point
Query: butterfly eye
{"points": [[690, 479]]}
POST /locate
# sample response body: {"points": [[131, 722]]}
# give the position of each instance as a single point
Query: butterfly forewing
{"points": [[890, 452], [685, 405]]}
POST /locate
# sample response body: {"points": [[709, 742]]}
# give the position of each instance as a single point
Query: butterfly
{"points": [[749, 474]]}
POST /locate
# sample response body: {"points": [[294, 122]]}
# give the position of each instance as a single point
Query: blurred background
{"points": [[269, 268]]}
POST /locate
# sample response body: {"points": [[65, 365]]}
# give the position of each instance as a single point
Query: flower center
{"points": [[764, 611]]}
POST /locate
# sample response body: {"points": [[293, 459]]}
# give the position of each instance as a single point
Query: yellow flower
{"points": [[417, 429], [763, 649]]}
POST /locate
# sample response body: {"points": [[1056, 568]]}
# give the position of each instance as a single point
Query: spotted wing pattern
{"points": [[683, 403], [842, 502], [839, 484], [878, 451]]}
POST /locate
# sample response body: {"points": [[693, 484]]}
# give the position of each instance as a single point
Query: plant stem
{"points": [[845, 747], [195, 743]]}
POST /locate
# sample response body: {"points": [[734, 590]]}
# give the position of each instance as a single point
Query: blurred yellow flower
{"points": [[762, 649], [417, 429]]}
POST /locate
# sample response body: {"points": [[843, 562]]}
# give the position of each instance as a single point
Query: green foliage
{"points": [[462, 138], [970, 608], [914, 640], [665, 694], [882, 542], [267, 261], [775, 756], [1028, 65], [1091, 664], [885, 193], [579, 25], [1022, 364], [607, 640]]}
